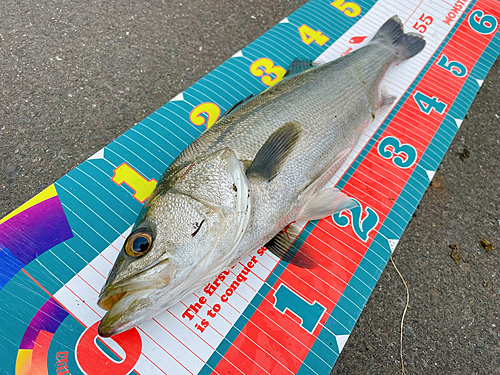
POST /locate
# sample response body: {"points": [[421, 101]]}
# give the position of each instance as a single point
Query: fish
{"points": [[245, 181]]}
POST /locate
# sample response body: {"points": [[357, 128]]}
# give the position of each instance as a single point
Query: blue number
{"points": [[427, 104], [483, 24], [455, 67], [309, 314], [397, 159], [362, 228]]}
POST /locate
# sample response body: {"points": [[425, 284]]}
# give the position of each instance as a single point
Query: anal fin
{"points": [[324, 203], [285, 246], [386, 99]]}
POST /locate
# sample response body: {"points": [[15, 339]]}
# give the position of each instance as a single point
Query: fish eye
{"points": [[138, 243]]}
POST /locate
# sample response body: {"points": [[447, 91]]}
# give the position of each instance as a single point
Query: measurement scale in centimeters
{"points": [[275, 315]]}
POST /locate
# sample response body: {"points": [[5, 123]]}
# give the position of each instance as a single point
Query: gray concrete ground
{"points": [[75, 75]]}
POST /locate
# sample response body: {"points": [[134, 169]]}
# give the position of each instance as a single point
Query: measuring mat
{"points": [[262, 316]]}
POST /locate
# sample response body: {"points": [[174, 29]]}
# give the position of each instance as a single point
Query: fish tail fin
{"points": [[405, 45]]}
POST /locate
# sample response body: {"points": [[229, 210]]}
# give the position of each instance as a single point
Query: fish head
{"points": [[183, 237]]}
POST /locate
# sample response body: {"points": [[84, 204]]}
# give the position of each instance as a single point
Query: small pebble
{"points": [[409, 331], [486, 244]]}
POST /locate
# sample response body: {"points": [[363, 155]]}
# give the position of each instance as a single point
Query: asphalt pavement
{"points": [[76, 75]]}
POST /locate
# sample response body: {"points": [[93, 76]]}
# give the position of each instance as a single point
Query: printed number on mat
{"points": [[125, 174], [348, 8], [402, 155], [482, 23], [271, 74], [211, 112], [362, 223], [308, 36]]}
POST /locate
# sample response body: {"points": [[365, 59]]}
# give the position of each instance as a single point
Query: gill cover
{"points": [[187, 231]]}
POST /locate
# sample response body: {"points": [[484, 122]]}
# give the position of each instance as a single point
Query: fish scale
{"points": [[240, 184], [322, 101]]}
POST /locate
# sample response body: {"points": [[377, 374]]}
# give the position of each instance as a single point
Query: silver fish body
{"points": [[216, 203]]}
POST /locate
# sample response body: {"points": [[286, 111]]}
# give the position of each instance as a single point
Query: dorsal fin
{"points": [[274, 152], [236, 105], [284, 246], [298, 66]]}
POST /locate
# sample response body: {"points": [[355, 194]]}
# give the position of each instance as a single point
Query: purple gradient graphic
{"points": [[9, 266], [35, 230], [48, 318]]}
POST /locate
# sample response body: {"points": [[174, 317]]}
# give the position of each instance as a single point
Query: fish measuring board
{"points": [[262, 316]]}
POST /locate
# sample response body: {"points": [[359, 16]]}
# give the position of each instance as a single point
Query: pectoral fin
{"points": [[279, 145], [324, 203], [285, 246]]}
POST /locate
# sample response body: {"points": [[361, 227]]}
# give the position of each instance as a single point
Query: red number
{"points": [[94, 361], [425, 18], [421, 28]]}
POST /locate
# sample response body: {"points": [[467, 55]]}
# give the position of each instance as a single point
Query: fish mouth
{"points": [[113, 294], [128, 301], [114, 290], [109, 301], [122, 313], [105, 330]]}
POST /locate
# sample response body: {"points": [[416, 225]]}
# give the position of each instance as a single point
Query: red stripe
{"points": [[54, 298]]}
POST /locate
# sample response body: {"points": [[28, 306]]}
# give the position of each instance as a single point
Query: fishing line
{"points": [[403, 317]]}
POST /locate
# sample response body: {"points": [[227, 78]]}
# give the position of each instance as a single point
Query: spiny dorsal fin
{"points": [[324, 203], [298, 66], [236, 106], [274, 152], [284, 246]]}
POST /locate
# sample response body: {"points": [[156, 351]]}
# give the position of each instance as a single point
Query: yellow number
{"points": [[349, 9], [264, 68], [142, 187], [211, 110], [308, 36]]}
